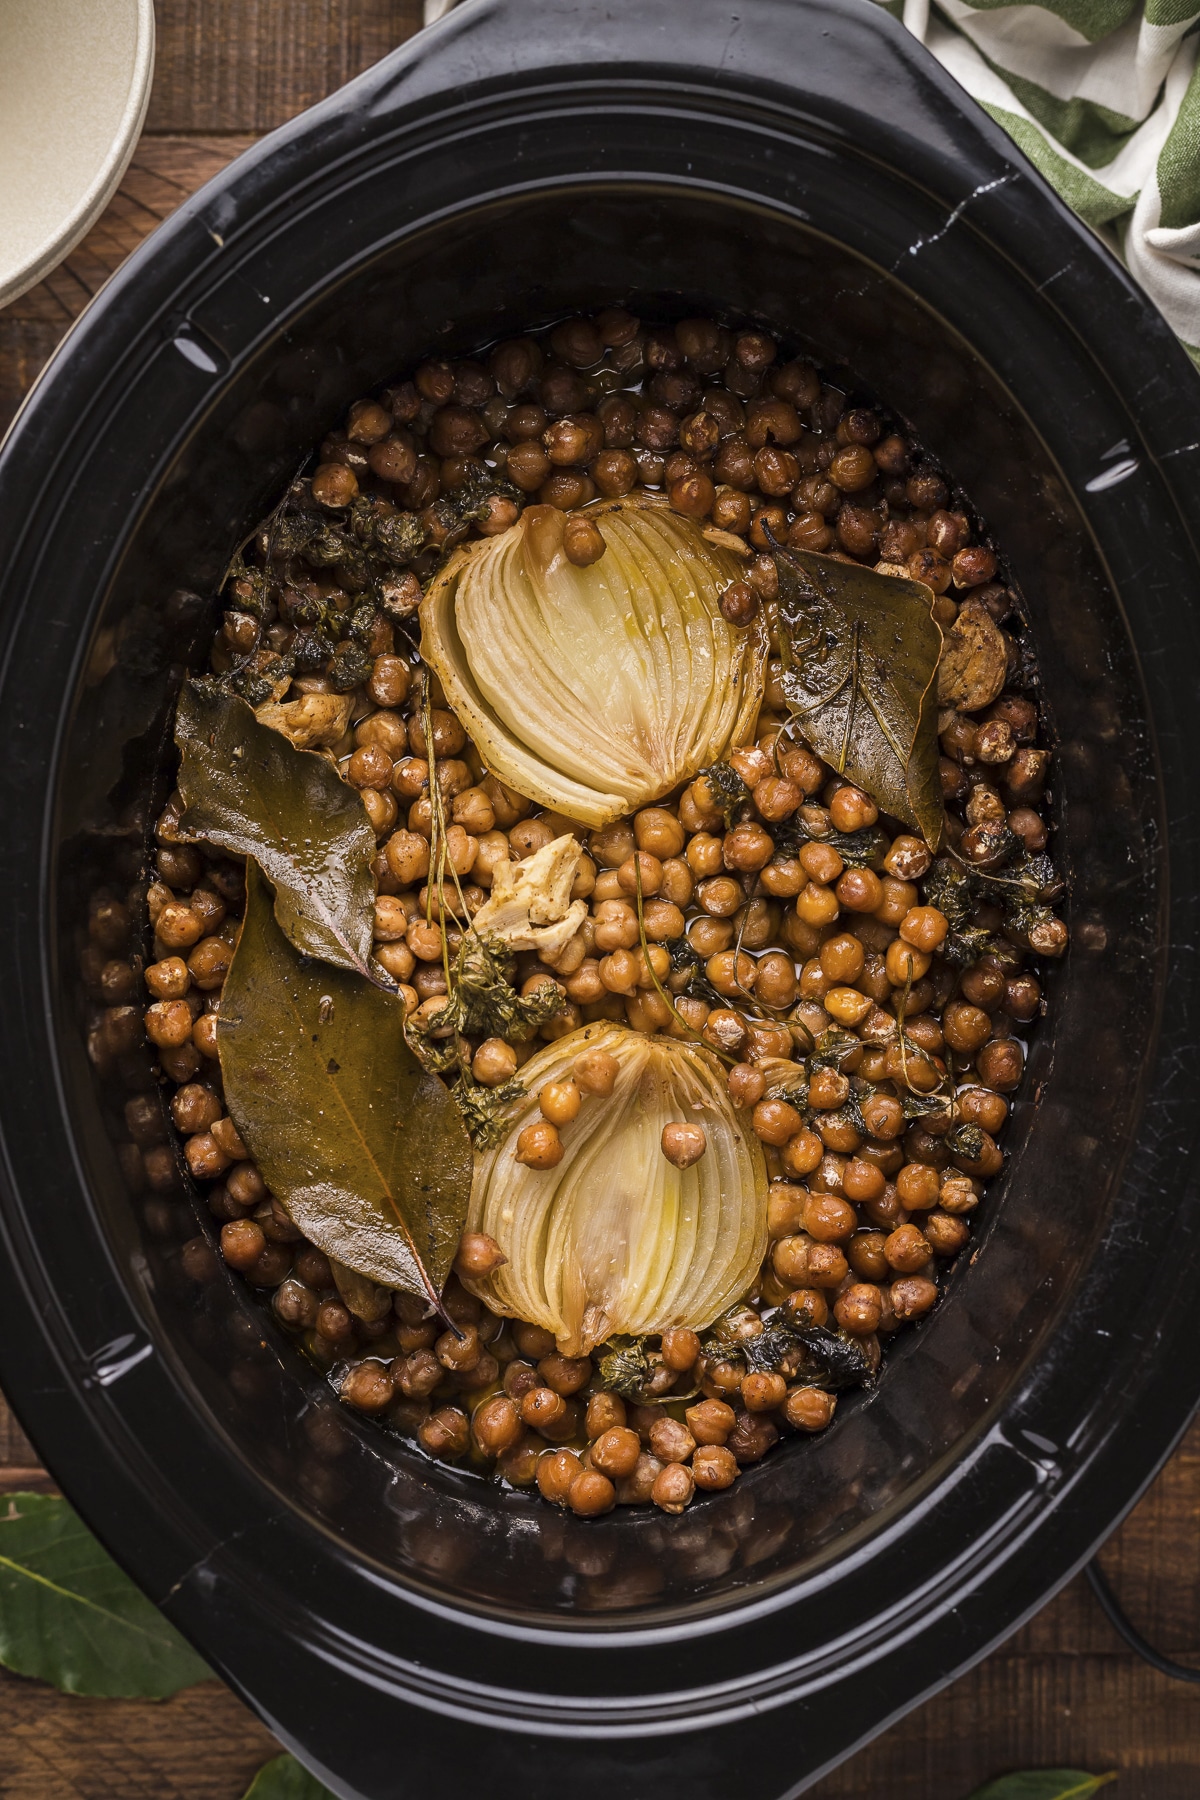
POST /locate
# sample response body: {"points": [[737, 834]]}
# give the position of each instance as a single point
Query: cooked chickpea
{"points": [[851, 809], [494, 1063], [616, 1451], [704, 855], [669, 1440], [559, 1101], [683, 1144], [775, 980], [539, 1146], [556, 1471], [904, 964], [680, 1348], [714, 1467], [747, 848], [662, 921], [828, 1219], [816, 905], [912, 1296], [847, 1006], [775, 1121], [616, 926], [605, 1411], [899, 898], [596, 1071], [802, 1153], [658, 832], [731, 972], [763, 1392], [809, 1408], [478, 1255], [673, 1488], [924, 927], [820, 862], [859, 890]]}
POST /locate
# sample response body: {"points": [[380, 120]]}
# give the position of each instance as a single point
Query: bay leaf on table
{"points": [[1044, 1784], [365, 1149], [860, 654], [69, 1616], [249, 789], [283, 1778]]}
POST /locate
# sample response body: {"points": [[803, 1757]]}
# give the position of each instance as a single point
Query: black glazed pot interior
{"points": [[332, 1572]]}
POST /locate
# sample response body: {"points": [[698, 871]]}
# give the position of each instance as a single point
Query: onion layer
{"points": [[596, 690], [615, 1239]]}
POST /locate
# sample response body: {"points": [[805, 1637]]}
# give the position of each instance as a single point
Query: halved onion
{"points": [[616, 1239], [596, 690]]}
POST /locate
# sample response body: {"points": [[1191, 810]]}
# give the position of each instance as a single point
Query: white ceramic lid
{"points": [[74, 86]]}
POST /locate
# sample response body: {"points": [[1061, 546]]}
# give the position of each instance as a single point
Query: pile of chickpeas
{"points": [[867, 1202]]}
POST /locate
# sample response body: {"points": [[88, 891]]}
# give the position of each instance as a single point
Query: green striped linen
{"points": [[1103, 96]]}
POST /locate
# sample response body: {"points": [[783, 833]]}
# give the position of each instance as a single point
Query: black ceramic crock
{"points": [[403, 1625]]}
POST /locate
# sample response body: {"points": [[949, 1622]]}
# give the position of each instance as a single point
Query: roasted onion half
{"points": [[615, 1239], [596, 690]]}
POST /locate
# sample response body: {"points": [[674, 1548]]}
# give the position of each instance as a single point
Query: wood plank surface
{"points": [[1062, 1691]]}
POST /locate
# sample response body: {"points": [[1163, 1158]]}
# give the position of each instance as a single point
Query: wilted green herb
{"points": [[858, 849], [685, 959], [486, 1000], [966, 1141], [947, 885], [624, 1366], [350, 668], [834, 1049], [483, 1109], [728, 789], [764, 1353], [837, 1359]]}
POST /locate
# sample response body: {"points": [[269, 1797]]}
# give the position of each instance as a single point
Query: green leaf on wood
{"points": [[365, 1149], [1044, 1784], [860, 655], [250, 790], [68, 1615], [283, 1778]]}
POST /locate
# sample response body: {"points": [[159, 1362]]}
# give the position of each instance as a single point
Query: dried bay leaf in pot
{"points": [[595, 690], [860, 656], [248, 788], [366, 1151]]}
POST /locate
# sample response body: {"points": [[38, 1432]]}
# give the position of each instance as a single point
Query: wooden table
{"points": [[1064, 1691]]}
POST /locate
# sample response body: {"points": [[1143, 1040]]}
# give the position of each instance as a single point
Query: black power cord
{"points": [[1116, 1618]]}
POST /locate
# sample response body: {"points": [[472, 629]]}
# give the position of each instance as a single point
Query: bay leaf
{"points": [[364, 1148], [249, 789], [860, 655], [69, 1616], [1044, 1784], [283, 1778]]}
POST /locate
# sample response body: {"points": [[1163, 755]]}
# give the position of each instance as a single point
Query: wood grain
{"points": [[247, 65], [1062, 1691]]}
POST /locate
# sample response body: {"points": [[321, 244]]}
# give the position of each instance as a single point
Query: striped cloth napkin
{"points": [[1104, 98]]}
